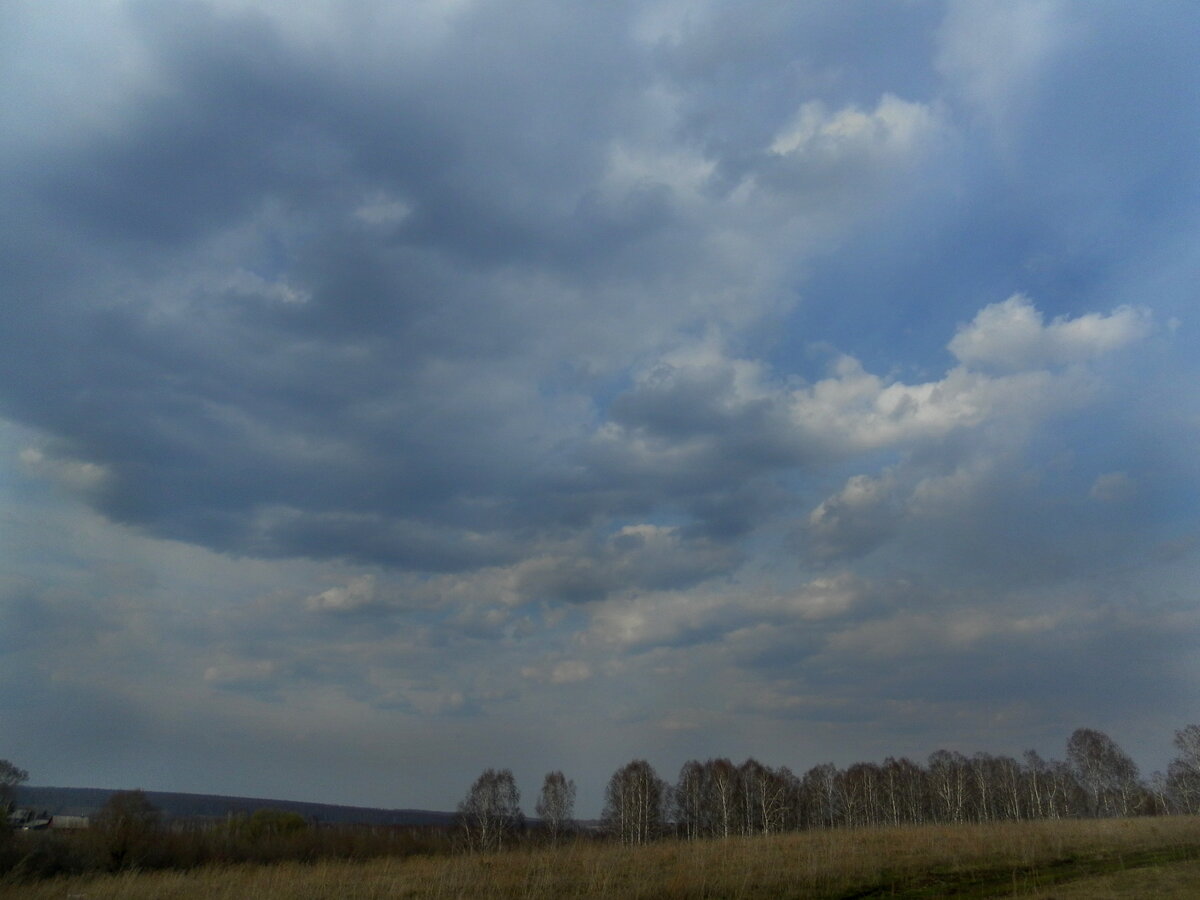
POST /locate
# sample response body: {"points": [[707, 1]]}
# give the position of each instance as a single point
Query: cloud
{"points": [[567, 671], [699, 416], [82, 478], [681, 619], [995, 55], [908, 635], [1012, 335], [831, 156], [356, 595], [1113, 487], [856, 519], [361, 283], [444, 370], [962, 438], [255, 678], [635, 557]]}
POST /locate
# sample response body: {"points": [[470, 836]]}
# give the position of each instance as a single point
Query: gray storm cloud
{"points": [[789, 377]]}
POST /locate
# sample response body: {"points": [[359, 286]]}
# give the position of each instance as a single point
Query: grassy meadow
{"points": [[1145, 857]]}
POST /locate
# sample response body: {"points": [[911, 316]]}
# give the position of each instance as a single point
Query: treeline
{"points": [[717, 798], [712, 799], [129, 832]]}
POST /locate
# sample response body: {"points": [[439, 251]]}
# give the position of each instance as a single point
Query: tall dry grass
{"points": [[1008, 859]]}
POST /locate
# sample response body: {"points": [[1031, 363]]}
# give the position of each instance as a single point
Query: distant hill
{"points": [[87, 801]]}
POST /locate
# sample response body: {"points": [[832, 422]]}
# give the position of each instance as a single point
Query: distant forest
{"points": [[714, 799], [717, 798]]}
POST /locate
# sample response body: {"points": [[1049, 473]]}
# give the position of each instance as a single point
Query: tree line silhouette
{"points": [[719, 799], [713, 799]]}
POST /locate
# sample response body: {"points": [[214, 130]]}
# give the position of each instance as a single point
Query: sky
{"points": [[390, 391]]}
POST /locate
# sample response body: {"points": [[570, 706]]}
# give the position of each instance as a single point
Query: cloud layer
{"points": [[472, 377]]}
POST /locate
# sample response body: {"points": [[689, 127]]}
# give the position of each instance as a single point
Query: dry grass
{"points": [[1107, 858], [1181, 880]]}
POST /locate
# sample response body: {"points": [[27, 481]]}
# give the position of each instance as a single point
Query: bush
{"points": [[44, 854], [125, 828], [128, 835]]}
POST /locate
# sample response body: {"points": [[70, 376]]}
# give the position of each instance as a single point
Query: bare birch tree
{"points": [[556, 804], [635, 803], [948, 776], [1183, 774], [722, 796], [1106, 773], [688, 800], [491, 811], [822, 800], [767, 797]]}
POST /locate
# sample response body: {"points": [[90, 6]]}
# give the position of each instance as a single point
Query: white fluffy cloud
{"points": [[1013, 335], [698, 398], [1025, 387], [709, 616], [892, 133]]}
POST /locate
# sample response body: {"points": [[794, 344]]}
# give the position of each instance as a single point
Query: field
{"points": [[1149, 857]]}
